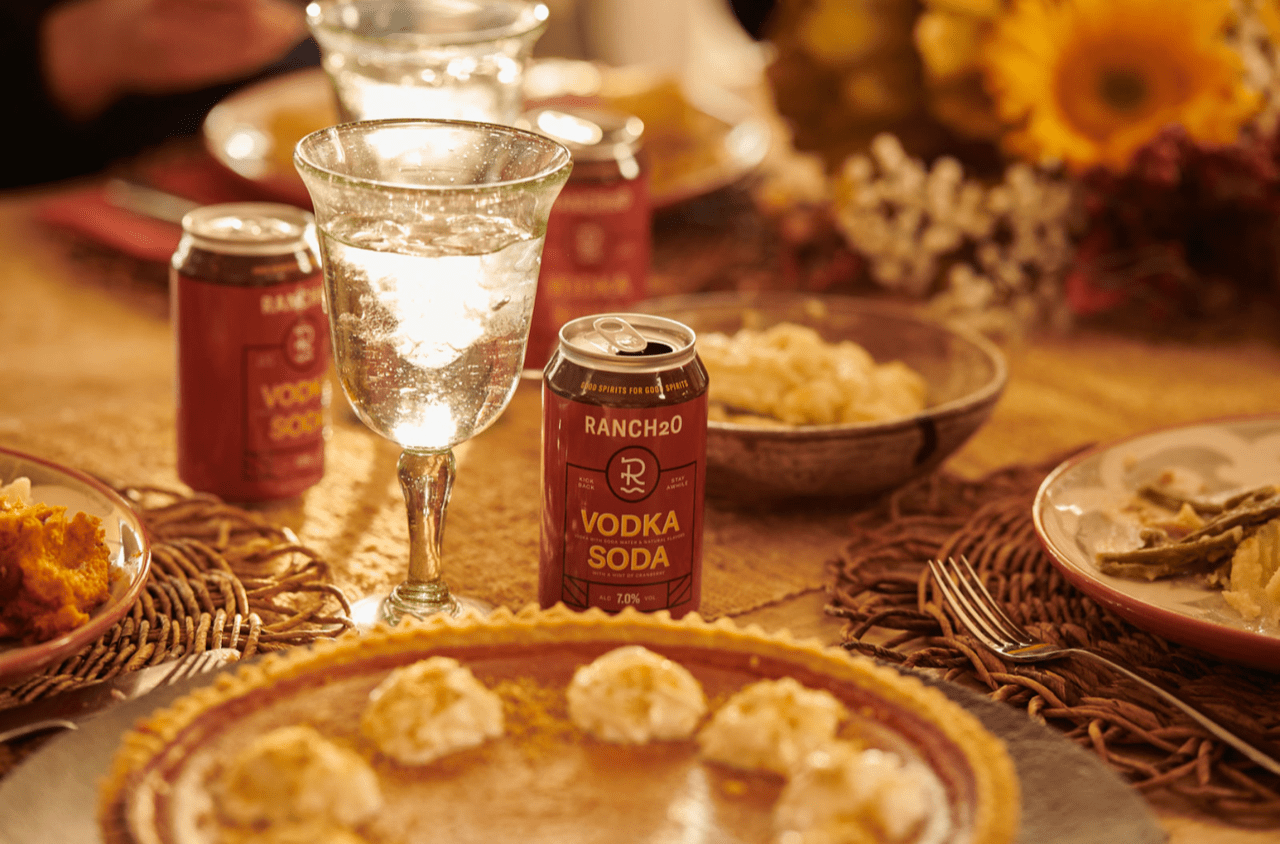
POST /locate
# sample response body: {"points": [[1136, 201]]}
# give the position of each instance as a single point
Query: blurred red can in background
{"points": [[596, 255], [253, 351]]}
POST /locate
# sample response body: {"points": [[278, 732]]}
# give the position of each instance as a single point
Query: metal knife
{"points": [[65, 711], [147, 201]]}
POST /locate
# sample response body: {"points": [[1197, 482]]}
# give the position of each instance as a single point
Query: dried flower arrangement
{"points": [[1032, 162]]}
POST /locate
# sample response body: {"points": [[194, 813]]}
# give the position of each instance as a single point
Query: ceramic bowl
{"points": [[965, 373]]}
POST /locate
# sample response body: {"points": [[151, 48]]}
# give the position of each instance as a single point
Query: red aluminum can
{"points": [[624, 441], [597, 252], [253, 351]]}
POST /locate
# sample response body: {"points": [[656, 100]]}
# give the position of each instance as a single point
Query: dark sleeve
{"points": [[753, 15], [42, 145], [35, 141]]}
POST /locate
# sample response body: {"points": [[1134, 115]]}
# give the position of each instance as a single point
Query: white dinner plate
{"points": [[1077, 513], [130, 556], [706, 141]]}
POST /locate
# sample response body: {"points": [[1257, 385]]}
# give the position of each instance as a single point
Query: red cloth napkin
{"points": [[90, 214]]}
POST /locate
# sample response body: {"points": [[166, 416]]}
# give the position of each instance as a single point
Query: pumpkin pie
{"points": [[898, 761]]}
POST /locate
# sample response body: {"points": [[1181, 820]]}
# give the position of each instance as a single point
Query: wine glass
{"points": [[456, 59], [431, 237]]}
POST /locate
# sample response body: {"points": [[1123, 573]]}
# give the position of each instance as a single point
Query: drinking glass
{"points": [[448, 59], [431, 237]]}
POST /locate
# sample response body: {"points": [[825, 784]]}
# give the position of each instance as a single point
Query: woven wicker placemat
{"points": [[221, 577], [883, 589]]}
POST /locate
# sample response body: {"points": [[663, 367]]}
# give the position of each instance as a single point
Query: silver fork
{"points": [[973, 605], [65, 710]]}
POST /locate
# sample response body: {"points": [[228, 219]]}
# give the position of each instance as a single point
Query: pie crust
{"points": [[545, 779]]}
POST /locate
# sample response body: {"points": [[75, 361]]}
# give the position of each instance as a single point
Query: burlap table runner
{"points": [[882, 587]]}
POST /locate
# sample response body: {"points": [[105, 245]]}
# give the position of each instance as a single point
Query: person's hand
{"points": [[98, 50]]}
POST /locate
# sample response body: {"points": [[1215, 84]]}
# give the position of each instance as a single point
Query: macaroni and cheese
{"points": [[791, 376]]}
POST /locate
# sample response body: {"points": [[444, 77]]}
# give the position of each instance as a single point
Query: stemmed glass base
{"points": [[369, 612], [426, 478]]}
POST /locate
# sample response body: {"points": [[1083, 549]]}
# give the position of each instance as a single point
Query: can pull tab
{"points": [[619, 334]]}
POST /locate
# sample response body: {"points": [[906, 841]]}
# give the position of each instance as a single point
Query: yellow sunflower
{"points": [[1268, 11], [1090, 81], [950, 37]]}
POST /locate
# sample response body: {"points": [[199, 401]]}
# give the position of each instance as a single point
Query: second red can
{"points": [[624, 439], [597, 251]]}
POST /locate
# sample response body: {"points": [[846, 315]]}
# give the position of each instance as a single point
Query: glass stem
{"points": [[426, 478]]}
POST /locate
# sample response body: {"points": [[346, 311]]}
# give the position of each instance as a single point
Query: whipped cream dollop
{"points": [[293, 775], [632, 695], [429, 709], [771, 725], [845, 794], [301, 832]]}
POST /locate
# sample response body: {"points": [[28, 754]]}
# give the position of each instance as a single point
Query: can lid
{"points": [[627, 342], [590, 133], [250, 228]]}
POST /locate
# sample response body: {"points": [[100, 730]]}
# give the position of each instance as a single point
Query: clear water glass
{"points": [[447, 59], [431, 238]]}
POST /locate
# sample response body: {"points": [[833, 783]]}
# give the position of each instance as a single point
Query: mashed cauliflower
{"points": [[790, 374]]}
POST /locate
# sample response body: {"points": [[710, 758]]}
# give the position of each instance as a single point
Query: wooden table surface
{"points": [[86, 379]]}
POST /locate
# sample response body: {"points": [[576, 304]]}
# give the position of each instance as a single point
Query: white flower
{"points": [[916, 224]]}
